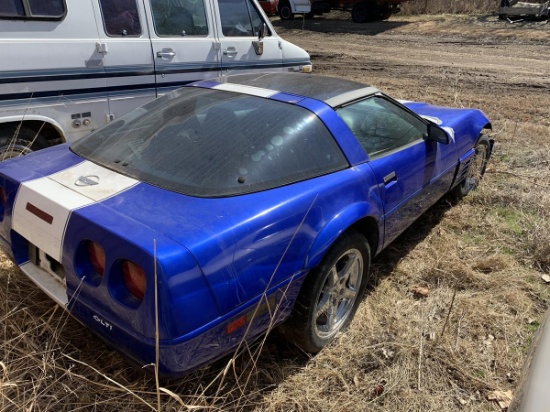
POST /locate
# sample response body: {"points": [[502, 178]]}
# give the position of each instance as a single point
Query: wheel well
{"points": [[46, 130], [368, 227]]}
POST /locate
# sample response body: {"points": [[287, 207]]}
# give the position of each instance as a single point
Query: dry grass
{"points": [[478, 264]]}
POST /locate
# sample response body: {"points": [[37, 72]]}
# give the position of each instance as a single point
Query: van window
{"points": [[239, 18], [121, 17], [179, 17], [32, 9]]}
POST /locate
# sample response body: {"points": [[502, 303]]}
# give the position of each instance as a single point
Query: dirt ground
{"points": [[428, 55], [452, 304]]}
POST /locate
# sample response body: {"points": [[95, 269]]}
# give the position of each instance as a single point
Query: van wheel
{"points": [[365, 12], [330, 294], [15, 142], [285, 12]]}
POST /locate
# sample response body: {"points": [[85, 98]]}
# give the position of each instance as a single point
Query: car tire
{"points": [[476, 168], [359, 13], [385, 15], [285, 12], [15, 142], [330, 294], [365, 12]]}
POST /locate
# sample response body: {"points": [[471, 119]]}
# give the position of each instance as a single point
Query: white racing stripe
{"points": [[240, 88], [43, 206]]}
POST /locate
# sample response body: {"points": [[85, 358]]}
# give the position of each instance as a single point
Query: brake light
{"points": [[3, 202], [134, 279], [3, 197], [97, 257]]}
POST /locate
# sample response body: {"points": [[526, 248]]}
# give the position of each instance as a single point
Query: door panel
{"points": [[127, 58], [184, 43], [412, 171], [239, 25]]}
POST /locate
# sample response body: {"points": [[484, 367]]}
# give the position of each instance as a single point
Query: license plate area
{"points": [[45, 262]]}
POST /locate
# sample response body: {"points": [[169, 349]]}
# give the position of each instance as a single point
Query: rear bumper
{"points": [[182, 354]]}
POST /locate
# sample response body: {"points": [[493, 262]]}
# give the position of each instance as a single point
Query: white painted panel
{"points": [[53, 199], [57, 196], [109, 183]]}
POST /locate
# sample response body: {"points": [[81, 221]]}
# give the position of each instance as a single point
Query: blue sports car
{"points": [[231, 206]]}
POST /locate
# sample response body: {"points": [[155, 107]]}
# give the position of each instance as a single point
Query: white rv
{"points": [[70, 66]]}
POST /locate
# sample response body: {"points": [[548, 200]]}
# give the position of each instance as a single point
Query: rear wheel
{"points": [[285, 12], [330, 294], [18, 141], [365, 12], [476, 168]]}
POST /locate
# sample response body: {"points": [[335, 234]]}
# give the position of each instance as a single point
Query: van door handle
{"points": [[166, 53], [230, 51]]}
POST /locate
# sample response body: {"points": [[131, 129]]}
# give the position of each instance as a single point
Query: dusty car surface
{"points": [[230, 206]]}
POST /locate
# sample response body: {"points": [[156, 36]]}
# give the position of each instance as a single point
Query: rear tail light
{"points": [[3, 197], [97, 257], [3, 203], [134, 279]]}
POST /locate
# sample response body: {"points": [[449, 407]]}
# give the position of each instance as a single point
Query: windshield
{"points": [[210, 143]]}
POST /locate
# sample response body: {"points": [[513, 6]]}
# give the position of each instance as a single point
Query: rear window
{"points": [[213, 143], [33, 9]]}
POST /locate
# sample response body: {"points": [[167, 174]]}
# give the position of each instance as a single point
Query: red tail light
{"points": [[97, 257], [3, 197], [134, 279]]}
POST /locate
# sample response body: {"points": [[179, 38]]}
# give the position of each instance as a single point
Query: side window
{"points": [[33, 9], [239, 18], [121, 17], [179, 17], [381, 126]]}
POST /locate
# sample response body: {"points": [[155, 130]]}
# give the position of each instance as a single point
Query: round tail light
{"points": [[97, 257], [134, 279]]}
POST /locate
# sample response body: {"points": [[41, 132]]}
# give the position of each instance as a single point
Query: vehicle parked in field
{"points": [[269, 6], [69, 67], [362, 11], [514, 9], [237, 204]]}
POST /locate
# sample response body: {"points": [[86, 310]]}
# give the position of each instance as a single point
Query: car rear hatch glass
{"points": [[213, 143]]}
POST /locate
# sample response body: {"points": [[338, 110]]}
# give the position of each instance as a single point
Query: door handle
{"points": [[392, 177], [166, 53], [230, 51]]}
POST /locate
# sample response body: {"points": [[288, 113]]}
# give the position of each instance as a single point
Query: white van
{"points": [[70, 66]]}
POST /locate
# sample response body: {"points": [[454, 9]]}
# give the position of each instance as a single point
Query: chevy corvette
{"points": [[232, 206]]}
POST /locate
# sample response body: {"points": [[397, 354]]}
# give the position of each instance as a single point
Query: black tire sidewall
{"points": [[24, 137], [285, 12], [302, 320], [463, 187]]}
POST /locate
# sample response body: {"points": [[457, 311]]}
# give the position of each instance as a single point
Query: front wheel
{"points": [[285, 12], [476, 168], [330, 294]]}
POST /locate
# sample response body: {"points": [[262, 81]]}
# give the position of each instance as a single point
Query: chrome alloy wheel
{"points": [[337, 297]]}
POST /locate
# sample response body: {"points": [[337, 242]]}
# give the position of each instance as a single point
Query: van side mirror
{"points": [[262, 30], [258, 44]]}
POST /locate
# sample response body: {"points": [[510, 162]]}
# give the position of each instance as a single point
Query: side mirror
{"points": [[262, 30], [437, 134], [258, 44]]}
